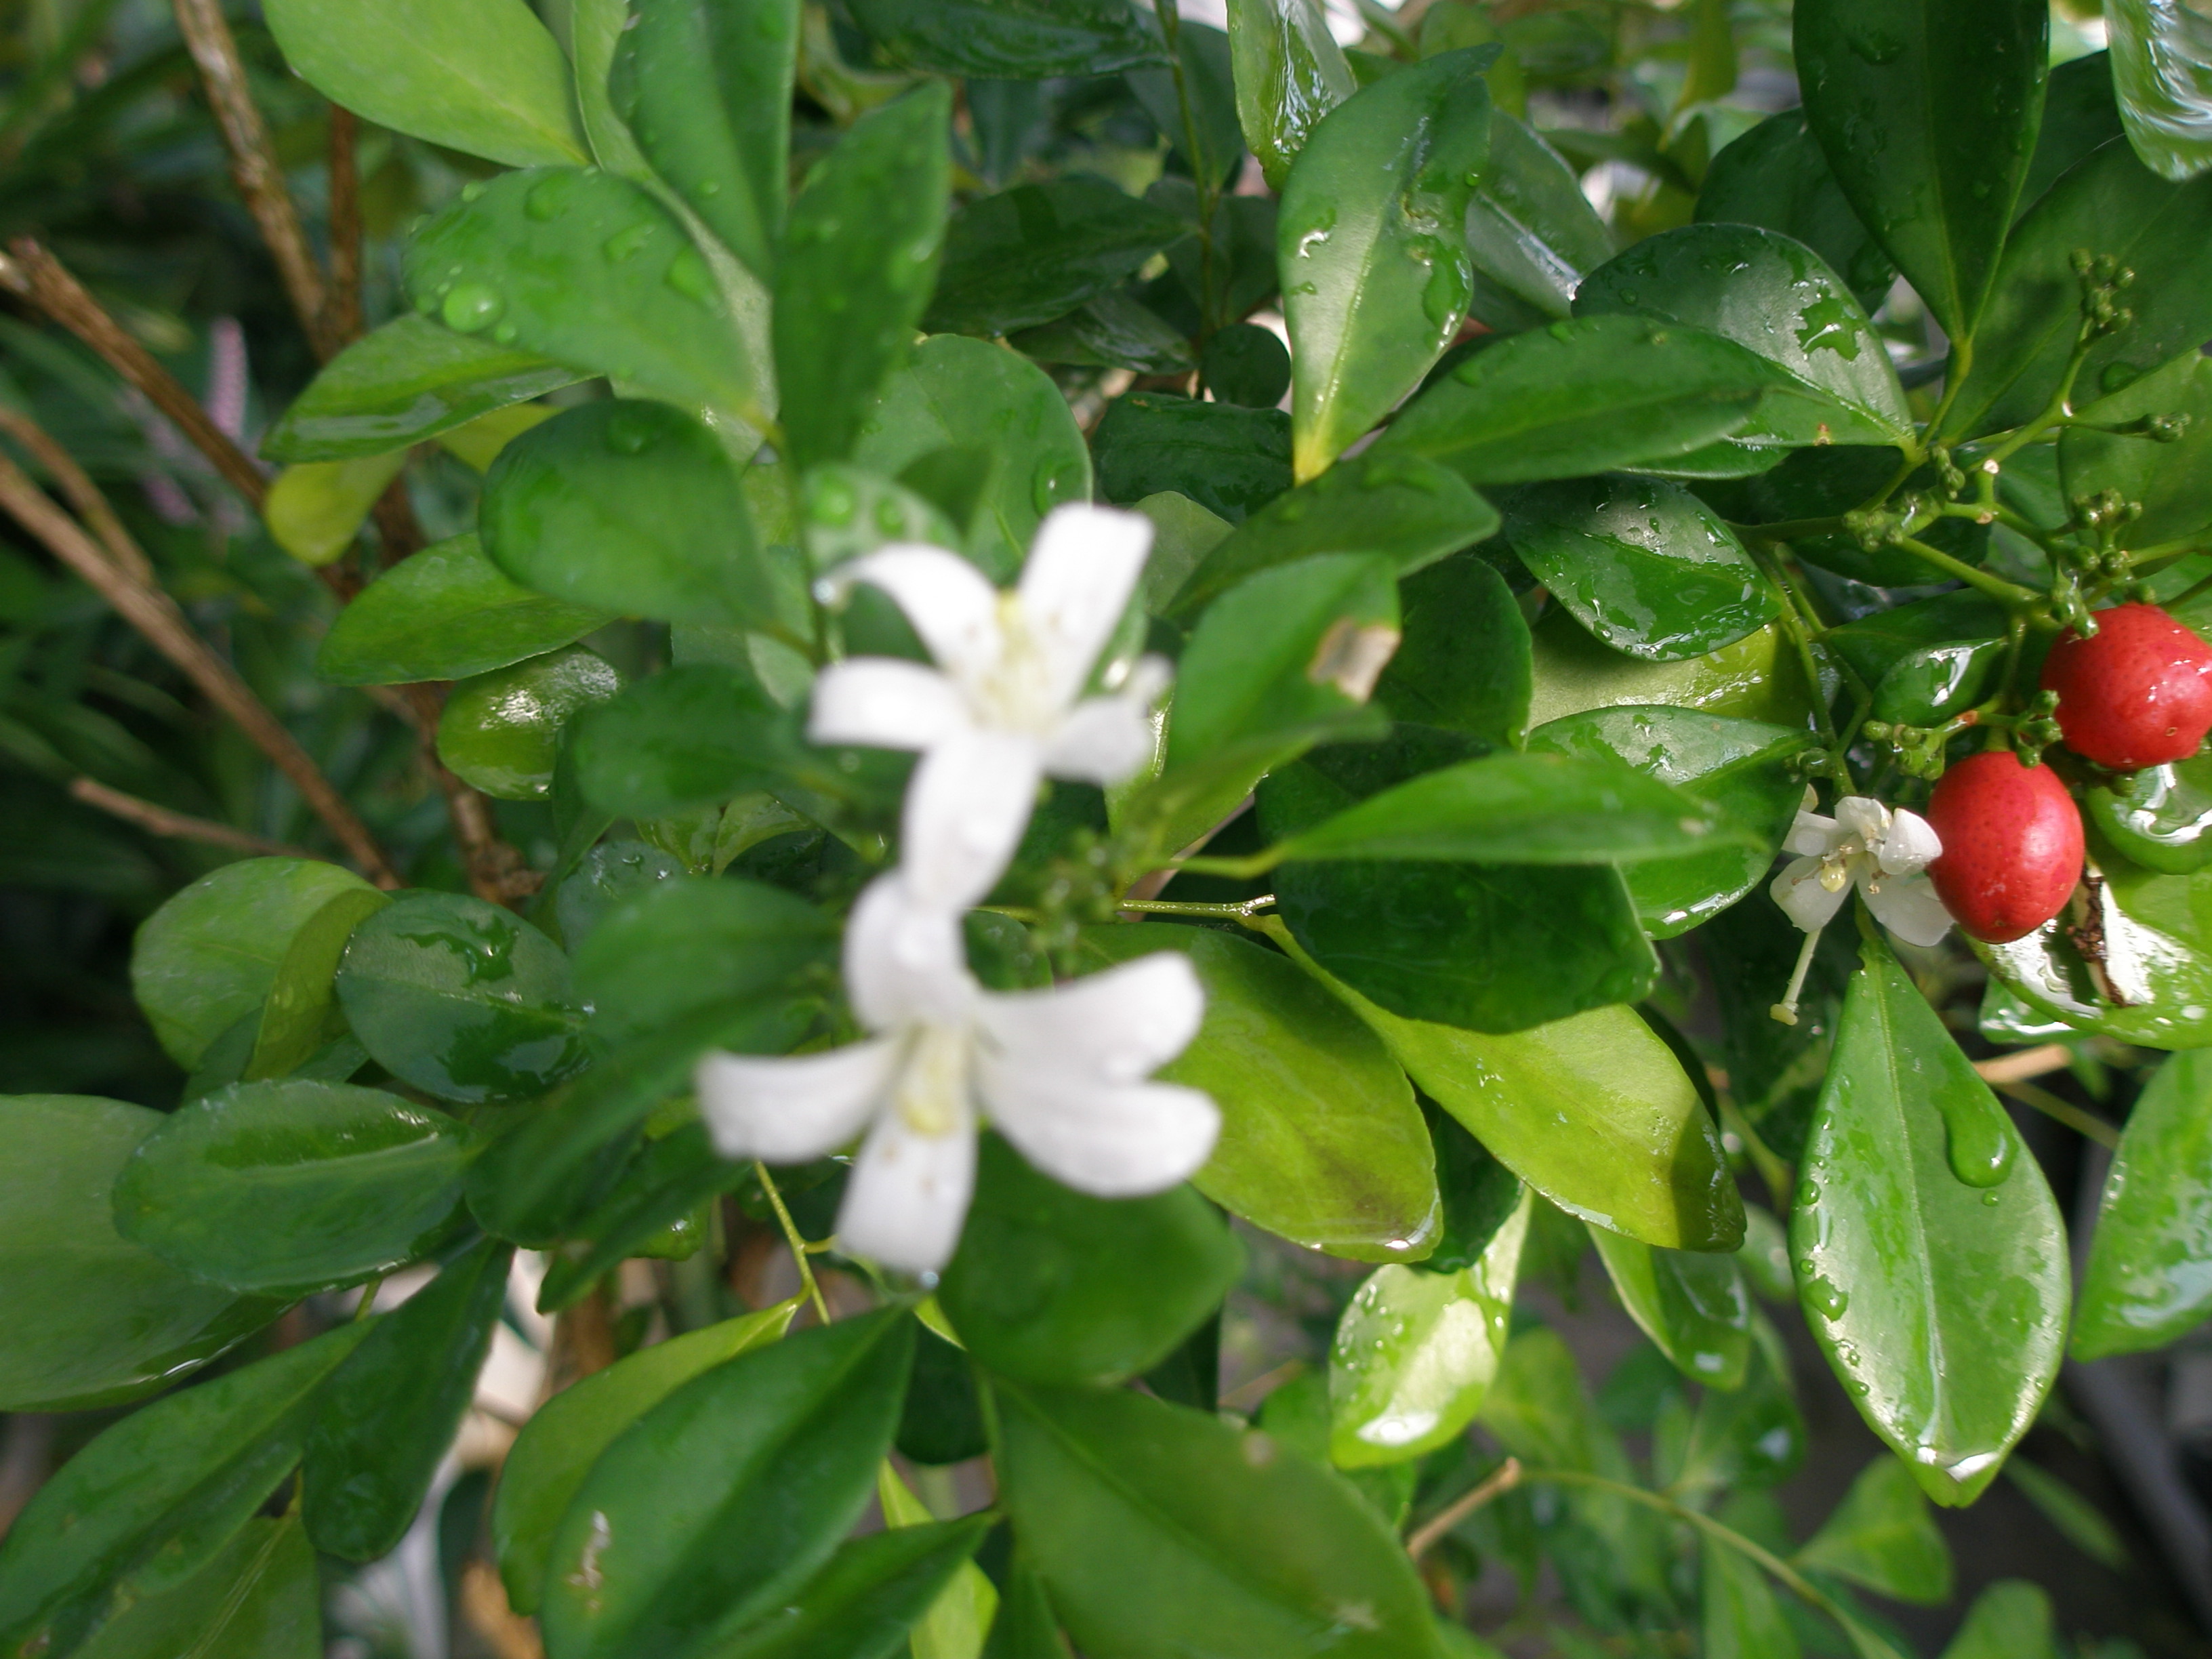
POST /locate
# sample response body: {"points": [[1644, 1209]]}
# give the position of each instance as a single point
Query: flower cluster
{"points": [[1062, 1073], [1883, 852]]}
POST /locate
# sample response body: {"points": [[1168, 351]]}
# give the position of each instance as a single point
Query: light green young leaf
{"points": [[1882, 1537], [959, 1619], [1693, 1304], [315, 508], [1289, 73], [2010, 1619], [1741, 1616]]}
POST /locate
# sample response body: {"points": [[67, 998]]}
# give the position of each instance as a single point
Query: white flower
{"points": [[1884, 853], [1061, 1072], [1004, 706]]}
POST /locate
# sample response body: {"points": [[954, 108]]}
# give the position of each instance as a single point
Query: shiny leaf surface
{"points": [[2160, 818], [1289, 73], [1531, 230], [499, 731], [260, 1597], [1757, 679], [1037, 252], [1694, 1305], [2171, 481], [2152, 981], [444, 614], [1013, 40], [1776, 176], [1230, 460], [2145, 1284], [873, 1593], [1464, 662], [2162, 70], [683, 945]]}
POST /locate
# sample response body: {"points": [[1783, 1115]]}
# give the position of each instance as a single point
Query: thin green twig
{"points": [[790, 1237]]}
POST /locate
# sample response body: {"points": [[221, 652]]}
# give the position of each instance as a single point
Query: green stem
{"points": [[2011, 595], [1241, 869], [790, 1237], [1208, 187], [367, 1302], [1954, 381], [2063, 1111], [1175, 908]]}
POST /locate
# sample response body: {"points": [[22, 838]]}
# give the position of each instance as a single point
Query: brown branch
{"points": [[158, 617], [253, 164], [397, 527], [84, 496], [497, 872], [160, 821], [1503, 1480], [342, 308]]}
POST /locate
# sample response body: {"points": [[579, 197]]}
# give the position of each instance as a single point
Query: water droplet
{"points": [[1826, 1298], [1808, 1192], [890, 518], [471, 307], [629, 431], [473, 189], [689, 276], [549, 197], [625, 243], [1054, 483], [1991, 1199], [506, 334], [832, 501]]}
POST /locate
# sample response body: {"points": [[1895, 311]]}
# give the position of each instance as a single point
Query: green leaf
{"points": [[956, 391], [591, 271], [1037, 252], [1741, 1620], [2171, 482], [704, 86], [706, 1513], [1114, 331], [153, 1499], [627, 507], [1693, 1304], [874, 1591], [1408, 510], [1373, 248], [1245, 1550], [1415, 1352], [1025, 1627], [857, 265], [1578, 398], [409, 380], [846, 512], [691, 734], [463, 999], [300, 1015], [479, 76], [684, 945], [943, 1422], [1540, 1411], [1463, 663], [1775, 176], [1013, 40], [1230, 460], [1244, 363], [657, 1207], [1321, 1141], [1052, 1285], [2082, 1522], [1882, 1538], [315, 509], [1290, 72], [2144, 1287], [1739, 768], [2163, 71], [1941, 1305], [2010, 1619], [1776, 297], [1754, 1436], [259, 1597], [554, 1454], [2079, 114], [1877, 644], [1933, 174], [498, 731], [288, 1187], [207, 957], [93, 1319], [595, 31], [388, 1414], [1183, 534], [2112, 204], [1594, 1113], [1757, 679], [1207, 86], [1531, 232], [444, 614]]}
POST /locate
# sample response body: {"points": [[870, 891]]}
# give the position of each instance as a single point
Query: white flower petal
{"points": [[1908, 907], [792, 1107], [1863, 816], [966, 807], [1798, 890], [1117, 1026], [1082, 569], [908, 1194], [886, 703], [1911, 846], [951, 604], [1811, 834], [1113, 1140], [1104, 741], [905, 962]]}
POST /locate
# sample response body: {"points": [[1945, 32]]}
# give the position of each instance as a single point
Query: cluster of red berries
{"points": [[2138, 693]]}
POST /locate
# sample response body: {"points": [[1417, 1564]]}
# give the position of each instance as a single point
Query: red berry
{"points": [[2012, 845], [2139, 694]]}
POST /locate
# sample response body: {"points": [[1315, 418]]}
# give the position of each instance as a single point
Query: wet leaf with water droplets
{"points": [[2144, 1284], [1289, 73], [2162, 68], [1693, 1304]]}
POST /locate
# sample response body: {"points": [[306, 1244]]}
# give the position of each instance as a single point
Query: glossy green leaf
{"points": [[2156, 987], [1375, 273], [706, 1513], [2171, 481], [1776, 297], [1052, 1285], [409, 380], [873, 1593], [463, 999], [1203, 81], [2145, 1284], [846, 512], [2110, 204], [1775, 176], [553, 1456], [445, 613], [1244, 270], [1113, 331], [1479, 1193], [1740, 1616], [1932, 168], [388, 1414], [2079, 114], [259, 1597], [316, 509], [93, 1319], [1246, 364], [1415, 1352], [1531, 230], [1037, 252], [1882, 1537], [627, 507], [1463, 663], [956, 391], [1828, 482], [479, 76], [206, 959], [1183, 534], [1875, 644], [1757, 679], [1230, 460], [1941, 1305], [1693, 1304], [1321, 1141], [1541, 1412], [694, 734], [2163, 71], [153, 1498], [943, 1422], [1013, 40], [683, 945], [1411, 512], [499, 731], [1582, 397], [704, 86], [300, 1015], [2010, 1619], [1754, 1436], [1289, 73], [1740, 768], [1595, 1113], [288, 1188], [2160, 818], [589, 269], [857, 266], [1245, 1550], [595, 31], [657, 1207]]}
